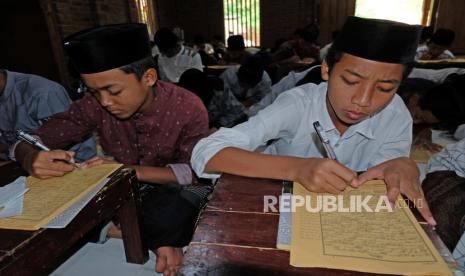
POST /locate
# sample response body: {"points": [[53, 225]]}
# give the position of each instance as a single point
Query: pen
{"points": [[324, 140], [35, 142]]}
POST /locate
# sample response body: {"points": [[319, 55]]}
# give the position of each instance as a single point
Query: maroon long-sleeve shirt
{"points": [[164, 135]]}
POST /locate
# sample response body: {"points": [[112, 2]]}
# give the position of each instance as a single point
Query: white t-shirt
{"points": [[171, 68]]}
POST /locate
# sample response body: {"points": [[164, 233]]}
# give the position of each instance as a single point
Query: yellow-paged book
{"points": [[47, 198], [376, 242]]}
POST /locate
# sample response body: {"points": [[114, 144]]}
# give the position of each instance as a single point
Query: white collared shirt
{"points": [[289, 122], [171, 68], [286, 83], [424, 49], [451, 158], [231, 81], [435, 75]]}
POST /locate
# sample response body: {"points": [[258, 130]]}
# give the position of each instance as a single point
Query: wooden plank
{"points": [[212, 260], [234, 193], [130, 217], [244, 229]]}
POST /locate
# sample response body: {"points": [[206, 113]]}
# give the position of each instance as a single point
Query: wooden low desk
{"points": [[40, 252], [235, 236]]}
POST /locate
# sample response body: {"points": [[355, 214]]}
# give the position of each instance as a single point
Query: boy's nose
{"points": [[363, 96], [105, 100]]}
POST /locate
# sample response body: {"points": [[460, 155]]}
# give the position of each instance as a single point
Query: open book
{"points": [[48, 198], [353, 238]]}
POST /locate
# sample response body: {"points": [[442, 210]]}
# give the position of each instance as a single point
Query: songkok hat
{"points": [[251, 70], [107, 47], [236, 43], [443, 37], [378, 40]]}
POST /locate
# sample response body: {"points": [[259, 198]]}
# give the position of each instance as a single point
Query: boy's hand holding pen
{"points": [[43, 163]]}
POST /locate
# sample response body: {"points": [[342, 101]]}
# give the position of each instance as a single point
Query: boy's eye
{"points": [[385, 90], [349, 82], [114, 93]]}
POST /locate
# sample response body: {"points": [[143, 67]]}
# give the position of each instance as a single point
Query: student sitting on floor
{"points": [[366, 123], [248, 82], [174, 58], [144, 123], [224, 110], [437, 46], [441, 106], [26, 102]]}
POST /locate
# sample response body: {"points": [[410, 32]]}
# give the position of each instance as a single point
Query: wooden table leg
{"points": [[130, 218]]}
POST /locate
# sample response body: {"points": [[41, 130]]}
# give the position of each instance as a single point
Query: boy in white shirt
{"points": [[249, 81], [174, 58], [368, 125]]}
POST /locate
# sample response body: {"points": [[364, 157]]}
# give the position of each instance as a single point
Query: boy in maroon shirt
{"points": [[142, 122]]}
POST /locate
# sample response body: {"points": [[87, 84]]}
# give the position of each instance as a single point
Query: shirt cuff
{"points": [[12, 148], [182, 172]]}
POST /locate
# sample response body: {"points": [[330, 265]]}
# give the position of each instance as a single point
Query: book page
{"points": [[377, 242], [47, 198]]}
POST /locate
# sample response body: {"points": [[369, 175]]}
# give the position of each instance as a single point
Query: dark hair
{"points": [[199, 39], [412, 86], [165, 39], [443, 37], [447, 104], [334, 34], [139, 67], [251, 71], [426, 33], [334, 56], [236, 43], [309, 33], [197, 82], [312, 76]]}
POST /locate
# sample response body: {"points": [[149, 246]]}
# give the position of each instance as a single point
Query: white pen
{"points": [[31, 140], [35, 142], [324, 140]]}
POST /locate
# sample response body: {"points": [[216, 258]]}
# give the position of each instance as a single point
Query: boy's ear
{"points": [[324, 70], [150, 77]]}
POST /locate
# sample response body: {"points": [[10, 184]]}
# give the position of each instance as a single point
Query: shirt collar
{"points": [[155, 107], [364, 128], [176, 55], [9, 86]]}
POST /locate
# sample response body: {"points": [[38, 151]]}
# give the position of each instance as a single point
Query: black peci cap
{"points": [[107, 47], [378, 40]]}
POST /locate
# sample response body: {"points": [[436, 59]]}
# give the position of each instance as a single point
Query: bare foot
{"points": [[114, 232], [168, 260]]}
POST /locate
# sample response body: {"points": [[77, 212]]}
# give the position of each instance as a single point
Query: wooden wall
{"points": [[332, 14], [279, 19], [204, 17], [451, 15]]}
